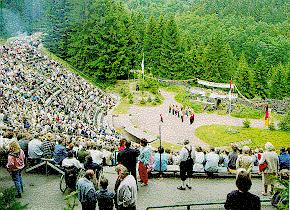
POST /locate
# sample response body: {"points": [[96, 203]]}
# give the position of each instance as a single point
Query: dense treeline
{"points": [[215, 40]]}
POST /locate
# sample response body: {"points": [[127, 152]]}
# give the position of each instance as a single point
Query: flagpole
{"points": [[230, 97], [142, 65]]}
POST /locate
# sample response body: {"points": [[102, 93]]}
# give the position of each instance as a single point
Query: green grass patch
{"points": [[242, 111], [2, 41], [122, 108], [167, 145], [219, 135]]}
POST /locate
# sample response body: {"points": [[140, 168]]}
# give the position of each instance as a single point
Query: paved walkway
{"points": [[42, 192], [173, 130]]}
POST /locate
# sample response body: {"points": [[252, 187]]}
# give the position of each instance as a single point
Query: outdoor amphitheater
{"points": [[41, 96]]}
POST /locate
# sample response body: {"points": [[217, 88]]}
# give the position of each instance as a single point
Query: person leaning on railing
{"points": [[241, 198]]}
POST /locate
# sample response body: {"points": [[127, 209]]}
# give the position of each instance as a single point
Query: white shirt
{"points": [[68, 162], [97, 156], [127, 192], [184, 153]]}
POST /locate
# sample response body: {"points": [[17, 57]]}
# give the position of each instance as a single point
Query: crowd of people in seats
{"points": [[181, 112], [40, 95]]}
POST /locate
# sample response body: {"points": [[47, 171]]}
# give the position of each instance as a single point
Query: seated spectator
{"points": [[245, 160], [199, 160], [104, 197], [70, 161], [241, 198], [164, 158], [23, 140], [284, 159], [35, 150], [82, 154], [59, 153], [233, 156], [48, 146], [212, 161], [90, 165]]}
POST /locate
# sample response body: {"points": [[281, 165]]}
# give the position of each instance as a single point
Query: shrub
{"points": [[8, 200], [284, 125], [142, 102], [157, 99], [131, 98], [272, 127], [71, 200], [246, 123], [149, 100]]}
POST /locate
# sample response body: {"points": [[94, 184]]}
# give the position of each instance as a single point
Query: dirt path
{"points": [[173, 130]]}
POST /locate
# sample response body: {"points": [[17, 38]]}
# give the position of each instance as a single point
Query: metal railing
{"points": [[192, 204]]}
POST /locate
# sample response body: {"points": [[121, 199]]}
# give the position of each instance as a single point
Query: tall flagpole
{"points": [[230, 96], [142, 65]]}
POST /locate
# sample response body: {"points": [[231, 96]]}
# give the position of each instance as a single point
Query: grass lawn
{"points": [[2, 41], [122, 108], [167, 145], [217, 135]]}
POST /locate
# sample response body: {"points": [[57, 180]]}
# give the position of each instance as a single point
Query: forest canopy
{"points": [[215, 40]]}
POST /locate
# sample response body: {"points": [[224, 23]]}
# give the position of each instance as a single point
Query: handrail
{"points": [[194, 204]]}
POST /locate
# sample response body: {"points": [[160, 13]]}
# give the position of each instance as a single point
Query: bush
{"points": [[284, 125], [246, 123], [149, 99], [131, 98], [8, 200], [272, 127], [157, 99], [142, 102]]}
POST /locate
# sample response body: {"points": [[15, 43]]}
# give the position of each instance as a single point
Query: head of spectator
{"points": [[160, 150], [211, 149], [234, 147], [89, 174], [14, 148], [122, 142], [122, 171], [246, 150], [243, 180], [198, 149], [269, 146], [70, 154], [144, 142], [104, 183], [261, 150], [288, 150], [49, 137], [282, 150], [186, 142], [9, 135], [128, 144]]}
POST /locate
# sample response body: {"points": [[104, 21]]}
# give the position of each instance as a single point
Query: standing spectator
{"points": [[59, 153], [35, 150], [211, 162], [144, 157], [128, 158], [241, 199], [122, 144], [70, 161], [87, 194], [127, 190], [97, 154], [16, 158], [160, 165], [104, 197], [284, 159], [186, 164], [233, 156], [48, 146], [245, 160], [90, 165], [272, 160], [191, 118], [199, 160]]}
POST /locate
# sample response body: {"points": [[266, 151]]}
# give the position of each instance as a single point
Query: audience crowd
{"points": [[48, 112]]}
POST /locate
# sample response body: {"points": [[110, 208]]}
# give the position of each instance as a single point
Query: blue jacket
{"points": [[105, 199], [59, 153], [164, 159], [284, 161]]}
